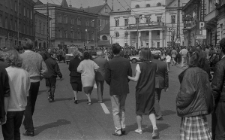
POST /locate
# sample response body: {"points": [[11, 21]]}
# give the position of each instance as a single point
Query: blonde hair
{"points": [[13, 59], [76, 53]]}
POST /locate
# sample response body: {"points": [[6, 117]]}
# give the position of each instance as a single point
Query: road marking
{"points": [[105, 109]]}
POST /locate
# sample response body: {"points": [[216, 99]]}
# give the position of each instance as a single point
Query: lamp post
{"points": [[137, 17]]}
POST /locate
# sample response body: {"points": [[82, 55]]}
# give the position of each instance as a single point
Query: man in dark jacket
{"points": [[117, 71], [4, 90], [161, 82], [218, 86], [51, 75]]}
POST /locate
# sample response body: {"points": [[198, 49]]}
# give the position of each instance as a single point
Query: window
{"points": [[59, 19], [72, 21], [87, 23], [15, 6], [221, 31], [159, 4], [173, 19], [147, 5], [106, 10], [159, 18], [158, 44], [92, 23], [126, 22], [104, 37], [66, 34], [6, 22], [78, 21], [126, 34], [31, 14], [79, 35], [71, 34], [137, 20], [60, 33], [148, 20], [66, 19], [137, 6], [117, 22], [158, 32], [1, 23], [117, 34], [92, 36], [24, 11]]}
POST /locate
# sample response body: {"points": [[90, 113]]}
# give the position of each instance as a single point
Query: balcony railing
{"points": [[146, 25]]}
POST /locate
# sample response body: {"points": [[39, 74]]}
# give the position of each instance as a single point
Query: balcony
{"points": [[146, 25], [211, 15]]}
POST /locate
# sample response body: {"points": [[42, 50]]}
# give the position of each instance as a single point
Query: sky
{"points": [[118, 4]]}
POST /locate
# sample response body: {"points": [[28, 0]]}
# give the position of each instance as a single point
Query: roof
{"points": [[64, 3], [105, 30], [95, 9]]}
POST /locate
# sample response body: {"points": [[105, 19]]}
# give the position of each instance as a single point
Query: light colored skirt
{"points": [[88, 81], [195, 128]]}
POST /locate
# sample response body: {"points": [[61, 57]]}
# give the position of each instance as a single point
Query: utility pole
{"points": [[47, 26], [138, 21], [112, 4], [18, 24], [178, 23]]}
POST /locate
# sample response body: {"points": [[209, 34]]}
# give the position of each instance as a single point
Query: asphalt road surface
{"points": [[64, 120]]}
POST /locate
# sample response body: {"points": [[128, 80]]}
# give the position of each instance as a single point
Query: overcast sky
{"points": [[86, 3]]}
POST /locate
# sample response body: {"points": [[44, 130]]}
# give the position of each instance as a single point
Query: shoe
{"points": [[159, 118], [76, 101], [123, 132], [116, 133], [155, 134], [139, 131], [27, 133], [88, 103]]}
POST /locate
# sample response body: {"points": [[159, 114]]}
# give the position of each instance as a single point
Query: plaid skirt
{"points": [[195, 128]]}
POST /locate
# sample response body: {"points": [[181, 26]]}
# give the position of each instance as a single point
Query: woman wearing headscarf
{"points": [[75, 77], [194, 100], [87, 68]]}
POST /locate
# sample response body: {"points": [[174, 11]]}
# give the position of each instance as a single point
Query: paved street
{"points": [[64, 120]]}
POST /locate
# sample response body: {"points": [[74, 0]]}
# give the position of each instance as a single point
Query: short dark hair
{"points": [[146, 54], [28, 44], [156, 56], [87, 55], [222, 45], [116, 48]]}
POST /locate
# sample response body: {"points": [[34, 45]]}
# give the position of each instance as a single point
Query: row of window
{"points": [[75, 35], [148, 5], [41, 27], [23, 10], [126, 34], [11, 24], [73, 21], [148, 20]]}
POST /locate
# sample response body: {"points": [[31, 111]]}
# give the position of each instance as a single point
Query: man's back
{"points": [[117, 72], [161, 74], [101, 62]]}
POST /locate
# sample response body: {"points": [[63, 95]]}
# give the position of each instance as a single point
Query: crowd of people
{"points": [[21, 72]]}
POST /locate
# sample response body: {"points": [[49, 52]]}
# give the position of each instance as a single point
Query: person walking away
{"points": [[116, 74], [168, 61], [87, 68], [174, 55], [218, 87], [145, 90], [75, 77], [183, 54], [4, 89], [51, 75], [33, 63], [194, 100], [100, 74], [15, 105], [161, 82]]}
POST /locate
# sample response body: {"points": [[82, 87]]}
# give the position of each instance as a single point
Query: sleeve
{"points": [[28, 85], [166, 78], [129, 71], [95, 66], [44, 68], [187, 91], [138, 69], [5, 80], [80, 67], [69, 66], [108, 74], [217, 82], [57, 70]]}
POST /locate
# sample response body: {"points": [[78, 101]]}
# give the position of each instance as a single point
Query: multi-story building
{"points": [[220, 6], [147, 24], [16, 21], [102, 30], [69, 26], [41, 25]]}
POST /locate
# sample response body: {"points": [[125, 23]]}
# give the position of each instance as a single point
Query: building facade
{"points": [[102, 29], [147, 24], [16, 22], [69, 26], [41, 25]]}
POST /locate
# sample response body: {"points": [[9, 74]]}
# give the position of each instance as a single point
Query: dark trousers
{"points": [[11, 130], [51, 84], [218, 122], [157, 99], [31, 100]]}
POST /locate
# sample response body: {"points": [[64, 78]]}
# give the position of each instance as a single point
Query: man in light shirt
{"points": [[183, 54]]}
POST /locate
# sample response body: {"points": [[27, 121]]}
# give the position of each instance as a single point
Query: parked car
{"points": [[136, 58], [68, 58]]}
